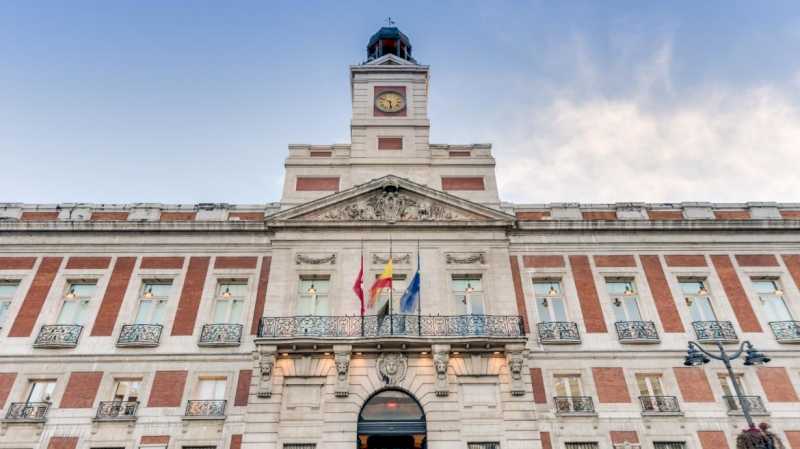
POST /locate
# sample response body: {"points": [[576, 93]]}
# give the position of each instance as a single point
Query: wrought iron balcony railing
{"points": [[498, 326], [786, 331], [58, 336], [27, 411], [117, 410], [558, 332], [221, 335], [715, 331], [754, 405], [636, 331], [212, 408], [139, 335], [574, 405], [660, 405]]}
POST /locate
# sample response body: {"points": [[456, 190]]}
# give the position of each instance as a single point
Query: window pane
{"points": [[4, 306], [144, 313], [221, 311], [391, 405], [82, 290], [156, 289], [160, 312], [765, 286], [691, 287], [547, 288], [68, 312], [8, 289], [236, 311]]}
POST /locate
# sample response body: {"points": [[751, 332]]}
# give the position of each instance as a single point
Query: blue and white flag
{"points": [[411, 297]]}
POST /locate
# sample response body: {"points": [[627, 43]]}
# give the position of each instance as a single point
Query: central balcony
{"points": [[27, 412], [709, 331], [116, 410], [58, 336], [574, 405]]}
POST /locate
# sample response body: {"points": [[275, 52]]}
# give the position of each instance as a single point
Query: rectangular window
{"points": [[312, 295], [41, 391], [568, 385], [127, 390], [484, 445], [210, 388], [698, 298], [468, 292], [772, 299], [649, 384], [550, 300], [669, 445], [390, 143], [581, 445], [728, 390], [77, 300], [625, 299], [153, 299], [8, 289], [229, 301]]}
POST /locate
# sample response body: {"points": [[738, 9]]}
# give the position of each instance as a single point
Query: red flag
{"points": [[357, 287]]}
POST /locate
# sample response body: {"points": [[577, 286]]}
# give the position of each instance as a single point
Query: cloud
{"points": [[718, 143]]}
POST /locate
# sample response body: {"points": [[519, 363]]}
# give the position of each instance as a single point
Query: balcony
{"points": [[117, 411], [58, 336], [139, 335], [574, 405], [206, 409], [786, 331], [27, 412], [355, 327], [636, 332], [754, 404], [721, 331], [660, 406], [221, 335], [558, 332]]}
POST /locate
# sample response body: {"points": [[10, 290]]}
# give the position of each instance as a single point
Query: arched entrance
{"points": [[391, 419]]}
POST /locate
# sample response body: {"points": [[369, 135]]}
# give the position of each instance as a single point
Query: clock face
{"points": [[390, 102]]}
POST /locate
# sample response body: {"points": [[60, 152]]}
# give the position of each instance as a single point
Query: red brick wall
{"points": [[792, 262], [599, 215], [462, 183], [793, 437], [776, 384], [686, 260], [665, 214], [459, 153], [614, 261], [545, 437], [532, 215], [381, 89], [712, 439], [39, 216], [261, 294], [693, 384], [109, 216], [611, 386], [390, 143], [243, 387], [178, 216], [320, 153], [665, 304], [537, 382], [543, 261], [155, 439], [756, 260], [732, 215], [623, 436], [63, 443], [242, 262], [192, 293], [6, 384], [519, 294], [790, 214], [247, 216], [735, 292], [308, 184], [587, 294], [17, 263], [236, 441], [115, 294], [84, 263], [167, 389], [34, 299], [160, 263], [81, 389]]}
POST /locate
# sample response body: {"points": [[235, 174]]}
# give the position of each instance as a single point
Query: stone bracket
{"points": [[515, 357], [264, 360], [341, 357], [441, 360]]}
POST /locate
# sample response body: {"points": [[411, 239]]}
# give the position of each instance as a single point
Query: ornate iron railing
{"points": [[392, 325], [637, 331], [212, 408], [58, 336], [574, 405], [27, 411], [112, 410], [754, 405], [141, 335], [221, 335], [659, 405], [558, 332], [786, 331], [714, 331]]}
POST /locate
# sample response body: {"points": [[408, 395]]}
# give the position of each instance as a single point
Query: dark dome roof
{"points": [[389, 33], [389, 40]]}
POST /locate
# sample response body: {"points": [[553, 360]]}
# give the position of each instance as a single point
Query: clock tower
{"points": [[390, 132]]}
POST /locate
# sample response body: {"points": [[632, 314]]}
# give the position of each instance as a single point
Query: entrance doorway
{"points": [[391, 419]]}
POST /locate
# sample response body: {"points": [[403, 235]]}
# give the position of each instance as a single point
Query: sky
{"points": [[196, 101]]}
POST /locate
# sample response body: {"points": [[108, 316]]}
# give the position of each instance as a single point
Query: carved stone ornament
{"points": [[516, 362], [342, 361], [391, 204], [441, 358], [397, 259], [266, 365], [464, 259], [301, 259], [392, 367]]}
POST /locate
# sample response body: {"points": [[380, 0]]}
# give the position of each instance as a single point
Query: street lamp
{"points": [[696, 356]]}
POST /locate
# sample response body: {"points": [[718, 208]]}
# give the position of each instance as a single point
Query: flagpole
{"points": [[391, 290], [419, 295], [361, 306]]}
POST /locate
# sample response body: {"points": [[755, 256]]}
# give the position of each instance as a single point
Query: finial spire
{"points": [[390, 22]]}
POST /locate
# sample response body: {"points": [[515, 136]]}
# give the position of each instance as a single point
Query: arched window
{"points": [[392, 405]]}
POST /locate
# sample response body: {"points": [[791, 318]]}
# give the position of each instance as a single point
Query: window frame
{"points": [[83, 303], [32, 382], [763, 297], [10, 300], [162, 299], [559, 297], [689, 299], [467, 309], [319, 300], [219, 297], [624, 300]]}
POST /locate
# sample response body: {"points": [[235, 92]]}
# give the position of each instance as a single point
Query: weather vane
{"points": [[389, 21]]}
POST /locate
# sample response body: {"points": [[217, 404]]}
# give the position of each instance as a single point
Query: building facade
{"points": [[554, 326]]}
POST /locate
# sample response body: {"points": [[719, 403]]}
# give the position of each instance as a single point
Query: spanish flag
{"points": [[383, 281]]}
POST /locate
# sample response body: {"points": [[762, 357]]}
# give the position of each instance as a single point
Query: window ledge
{"points": [[652, 414], [640, 341], [204, 418], [120, 419]]}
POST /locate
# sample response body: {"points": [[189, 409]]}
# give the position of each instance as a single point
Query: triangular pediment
{"points": [[391, 199], [390, 60]]}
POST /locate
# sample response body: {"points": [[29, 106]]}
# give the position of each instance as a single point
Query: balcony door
{"points": [[772, 299], [624, 299], [695, 292], [312, 296], [550, 300], [468, 292], [77, 298]]}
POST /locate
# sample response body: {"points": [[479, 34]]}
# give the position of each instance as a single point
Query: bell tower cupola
{"points": [[389, 40]]}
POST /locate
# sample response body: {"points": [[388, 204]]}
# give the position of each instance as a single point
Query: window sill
{"points": [[218, 344], [640, 341], [652, 414], [204, 418], [118, 419]]}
